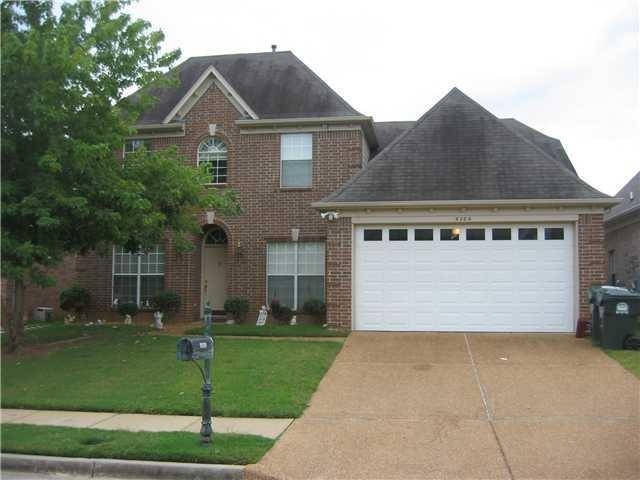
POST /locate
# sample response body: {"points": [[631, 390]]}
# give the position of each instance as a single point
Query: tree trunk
{"points": [[16, 324]]}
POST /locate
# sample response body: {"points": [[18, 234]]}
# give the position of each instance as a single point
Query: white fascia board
{"points": [[365, 122], [576, 202], [211, 70]]}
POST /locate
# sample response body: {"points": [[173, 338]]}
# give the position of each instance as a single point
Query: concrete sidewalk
{"points": [[134, 422], [462, 406]]}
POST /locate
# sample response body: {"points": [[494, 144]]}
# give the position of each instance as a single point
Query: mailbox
{"points": [[195, 348]]}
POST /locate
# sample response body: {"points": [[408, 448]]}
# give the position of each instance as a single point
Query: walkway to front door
{"points": [[455, 405]]}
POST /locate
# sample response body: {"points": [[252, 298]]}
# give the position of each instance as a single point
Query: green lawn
{"points": [[629, 359], [164, 446], [272, 331], [139, 373], [37, 333]]}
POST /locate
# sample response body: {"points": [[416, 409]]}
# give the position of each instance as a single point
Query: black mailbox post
{"points": [[201, 348]]}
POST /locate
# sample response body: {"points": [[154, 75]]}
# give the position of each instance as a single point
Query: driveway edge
{"points": [[100, 467]]}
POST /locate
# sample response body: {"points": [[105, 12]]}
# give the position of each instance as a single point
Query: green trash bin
{"points": [[619, 309], [596, 332]]}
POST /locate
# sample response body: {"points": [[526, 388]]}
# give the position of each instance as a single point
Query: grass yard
{"points": [[163, 446], [138, 373], [272, 331], [38, 333], [629, 359]]}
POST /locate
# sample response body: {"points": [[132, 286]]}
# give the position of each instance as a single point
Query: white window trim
{"points": [[124, 146], [296, 274], [138, 274], [211, 184], [306, 187]]}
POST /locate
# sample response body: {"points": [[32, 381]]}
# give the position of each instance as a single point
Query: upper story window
{"points": [[296, 152], [212, 153], [135, 144]]}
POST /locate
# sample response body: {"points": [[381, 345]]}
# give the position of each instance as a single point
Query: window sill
{"points": [[216, 184], [296, 189]]}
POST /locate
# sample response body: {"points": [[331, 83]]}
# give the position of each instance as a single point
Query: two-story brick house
{"points": [[459, 221]]}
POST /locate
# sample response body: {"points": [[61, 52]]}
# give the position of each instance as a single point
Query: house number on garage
{"points": [[463, 219]]}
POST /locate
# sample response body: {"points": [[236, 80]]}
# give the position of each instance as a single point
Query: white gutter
{"points": [[600, 202]]}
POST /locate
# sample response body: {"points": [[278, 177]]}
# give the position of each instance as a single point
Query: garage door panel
{"points": [[482, 285]]}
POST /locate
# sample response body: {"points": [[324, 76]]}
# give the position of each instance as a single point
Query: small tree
{"points": [[63, 115], [75, 299]]}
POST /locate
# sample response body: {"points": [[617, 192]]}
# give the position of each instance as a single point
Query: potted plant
{"points": [[237, 308], [165, 303], [75, 299]]}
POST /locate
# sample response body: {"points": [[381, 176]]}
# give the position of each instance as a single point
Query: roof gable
{"points": [[271, 84], [630, 200], [460, 151]]}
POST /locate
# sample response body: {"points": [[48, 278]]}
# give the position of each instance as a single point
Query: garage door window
{"points": [[527, 234], [423, 234], [475, 233], [398, 234], [371, 235], [295, 273], [501, 234], [449, 234], [554, 233]]}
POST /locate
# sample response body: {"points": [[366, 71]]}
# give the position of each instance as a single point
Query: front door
{"points": [[214, 269]]}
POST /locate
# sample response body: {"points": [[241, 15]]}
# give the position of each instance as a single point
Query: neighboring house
{"points": [[458, 221], [622, 235]]}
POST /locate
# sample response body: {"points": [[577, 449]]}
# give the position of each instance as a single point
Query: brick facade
{"points": [[338, 275], [591, 258], [622, 238], [270, 212]]}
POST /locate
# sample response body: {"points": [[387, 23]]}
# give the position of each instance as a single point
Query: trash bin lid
{"points": [[608, 291]]}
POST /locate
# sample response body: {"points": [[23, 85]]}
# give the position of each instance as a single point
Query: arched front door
{"points": [[214, 268]]}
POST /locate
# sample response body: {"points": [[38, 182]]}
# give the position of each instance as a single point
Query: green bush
{"points": [[237, 307], [125, 309], [284, 315], [166, 302], [275, 307], [314, 307], [75, 299]]}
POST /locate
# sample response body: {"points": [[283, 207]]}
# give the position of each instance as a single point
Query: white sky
{"points": [[567, 68]]}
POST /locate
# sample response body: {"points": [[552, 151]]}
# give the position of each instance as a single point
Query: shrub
{"points": [[125, 309], [237, 307], [275, 307], [284, 315], [314, 307], [166, 302], [75, 299]]}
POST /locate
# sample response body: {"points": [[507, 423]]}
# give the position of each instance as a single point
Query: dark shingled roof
{"points": [[274, 85], [628, 204], [386, 132], [460, 151], [551, 146]]}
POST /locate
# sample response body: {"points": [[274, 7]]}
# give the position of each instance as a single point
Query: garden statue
{"points": [[127, 319], [157, 320]]}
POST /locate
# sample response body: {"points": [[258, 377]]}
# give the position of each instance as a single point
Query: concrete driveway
{"points": [[454, 405]]}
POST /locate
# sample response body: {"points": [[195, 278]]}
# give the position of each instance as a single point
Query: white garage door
{"points": [[493, 278]]}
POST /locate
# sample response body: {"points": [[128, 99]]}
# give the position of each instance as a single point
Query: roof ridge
{"points": [[342, 100], [388, 148], [241, 54], [530, 128]]}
